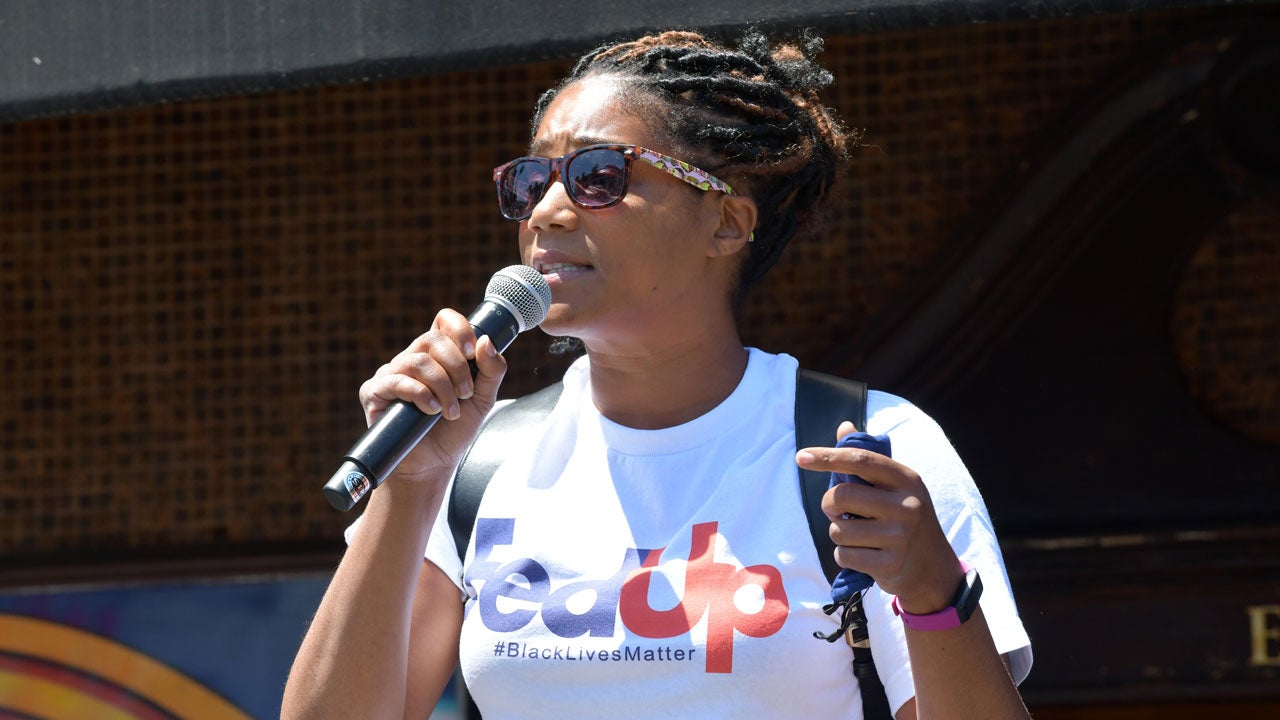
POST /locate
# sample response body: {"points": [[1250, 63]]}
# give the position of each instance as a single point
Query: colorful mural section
{"points": [[51, 670], [199, 650]]}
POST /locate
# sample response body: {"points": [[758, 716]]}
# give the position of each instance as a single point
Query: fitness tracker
{"points": [[954, 615]]}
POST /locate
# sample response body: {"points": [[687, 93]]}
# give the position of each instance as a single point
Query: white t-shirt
{"points": [[623, 573]]}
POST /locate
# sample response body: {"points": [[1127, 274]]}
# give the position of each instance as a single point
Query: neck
{"points": [[669, 385]]}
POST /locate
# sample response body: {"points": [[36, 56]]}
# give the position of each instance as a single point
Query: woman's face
{"points": [[639, 272]]}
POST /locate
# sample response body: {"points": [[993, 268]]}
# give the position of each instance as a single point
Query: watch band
{"points": [[954, 615]]}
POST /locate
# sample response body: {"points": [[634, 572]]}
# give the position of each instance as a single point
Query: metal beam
{"points": [[66, 56]]}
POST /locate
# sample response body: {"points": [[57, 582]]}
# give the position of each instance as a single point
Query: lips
{"points": [[549, 268], [557, 271]]}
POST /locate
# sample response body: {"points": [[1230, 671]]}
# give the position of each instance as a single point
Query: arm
{"points": [[908, 710], [433, 640], [955, 686], [354, 659], [958, 673], [384, 639]]}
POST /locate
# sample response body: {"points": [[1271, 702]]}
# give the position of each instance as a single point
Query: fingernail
{"points": [[433, 406], [454, 411], [490, 350], [465, 390], [804, 456], [469, 349]]}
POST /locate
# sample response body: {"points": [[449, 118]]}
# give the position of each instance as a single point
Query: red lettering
{"points": [[709, 589]]}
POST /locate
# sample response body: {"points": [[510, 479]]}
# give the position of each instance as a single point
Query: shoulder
{"points": [[918, 442], [887, 413], [772, 363]]}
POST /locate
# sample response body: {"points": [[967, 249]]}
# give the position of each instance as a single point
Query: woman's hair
{"points": [[751, 114]]}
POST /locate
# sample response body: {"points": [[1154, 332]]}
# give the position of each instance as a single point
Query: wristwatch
{"points": [[955, 614]]}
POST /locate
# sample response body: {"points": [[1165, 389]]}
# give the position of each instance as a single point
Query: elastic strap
{"points": [[487, 453], [822, 403]]}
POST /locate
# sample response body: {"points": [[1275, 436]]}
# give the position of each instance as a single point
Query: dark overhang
{"points": [[61, 56]]}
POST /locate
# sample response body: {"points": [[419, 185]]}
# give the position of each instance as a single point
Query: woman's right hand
{"points": [[433, 374]]}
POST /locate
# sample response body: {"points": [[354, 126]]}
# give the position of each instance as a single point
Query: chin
{"points": [[560, 321]]}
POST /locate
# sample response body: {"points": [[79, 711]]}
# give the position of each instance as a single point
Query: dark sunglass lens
{"points": [[521, 187], [597, 177]]}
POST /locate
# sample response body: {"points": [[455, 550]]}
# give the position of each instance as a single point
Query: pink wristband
{"points": [[952, 616]]}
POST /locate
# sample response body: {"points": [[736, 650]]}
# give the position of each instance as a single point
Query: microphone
{"points": [[516, 299]]}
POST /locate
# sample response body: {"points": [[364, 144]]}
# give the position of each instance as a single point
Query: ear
{"points": [[737, 221]]}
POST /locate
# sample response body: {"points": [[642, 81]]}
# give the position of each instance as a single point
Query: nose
{"points": [[554, 211]]}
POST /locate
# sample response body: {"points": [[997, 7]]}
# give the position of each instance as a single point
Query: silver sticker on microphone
{"points": [[357, 485]]}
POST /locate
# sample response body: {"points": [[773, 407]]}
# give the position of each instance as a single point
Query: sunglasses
{"points": [[594, 177]]}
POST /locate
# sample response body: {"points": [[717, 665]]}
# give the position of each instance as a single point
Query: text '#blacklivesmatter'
{"points": [[709, 589]]}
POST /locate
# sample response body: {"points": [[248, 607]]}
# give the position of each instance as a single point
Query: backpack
{"points": [[822, 402]]}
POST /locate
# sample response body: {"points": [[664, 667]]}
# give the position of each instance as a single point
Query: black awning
{"points": [[60, 56]]}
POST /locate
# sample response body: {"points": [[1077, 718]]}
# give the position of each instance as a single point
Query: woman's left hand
{"points": [[897, 539]]}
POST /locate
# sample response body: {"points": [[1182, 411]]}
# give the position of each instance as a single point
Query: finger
{"points": [[864, 501], [873, 561], [870, 466], [866, 533], [491, 367], [424, 368], [450, 357], [845, 428], [456, 326], [381, 390]]}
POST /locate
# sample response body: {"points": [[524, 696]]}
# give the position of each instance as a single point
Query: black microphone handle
{"points": [[402, 425]]}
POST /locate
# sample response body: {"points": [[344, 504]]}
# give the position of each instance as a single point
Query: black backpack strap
{"points": [[487, 453], [822, 403], [476, 470]]}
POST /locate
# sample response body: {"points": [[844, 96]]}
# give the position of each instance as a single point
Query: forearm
{"points": [[353, 661], [959, 674]]}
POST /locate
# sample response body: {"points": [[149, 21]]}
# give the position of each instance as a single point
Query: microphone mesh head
{"points": [[522, 288]]}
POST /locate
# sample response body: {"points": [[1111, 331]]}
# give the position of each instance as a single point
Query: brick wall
{"points": [[192, 293]]}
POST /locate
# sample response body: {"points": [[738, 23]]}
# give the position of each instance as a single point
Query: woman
{"points": [[646, 553]]}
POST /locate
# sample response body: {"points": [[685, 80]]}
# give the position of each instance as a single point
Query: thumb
{"points": [[845, 428], [490, 369]]}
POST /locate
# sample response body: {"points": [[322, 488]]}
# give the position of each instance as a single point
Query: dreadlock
{"points": [[753, 114]]}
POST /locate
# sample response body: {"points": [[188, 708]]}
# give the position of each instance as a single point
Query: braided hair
{"points": [[752, 115]]}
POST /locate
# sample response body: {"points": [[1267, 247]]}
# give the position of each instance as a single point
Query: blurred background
{"points": [[1062, 239]]}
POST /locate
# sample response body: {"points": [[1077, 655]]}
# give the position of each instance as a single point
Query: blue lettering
{"points": [[491, 532], [511, 595], [598, 620]]}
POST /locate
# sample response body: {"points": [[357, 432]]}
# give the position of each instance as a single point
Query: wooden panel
{"points": [[1143, 616]]}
